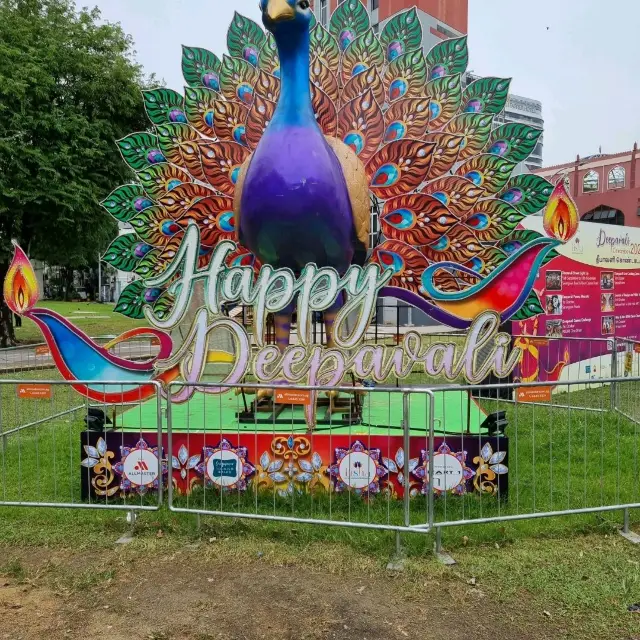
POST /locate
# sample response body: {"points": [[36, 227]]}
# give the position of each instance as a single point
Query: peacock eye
{"points": [[304, 4]]}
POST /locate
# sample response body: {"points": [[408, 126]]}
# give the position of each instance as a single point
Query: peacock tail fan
{"points": [[439, 166]]}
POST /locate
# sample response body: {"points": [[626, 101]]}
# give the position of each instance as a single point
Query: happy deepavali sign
{"points": [[315, 290]]}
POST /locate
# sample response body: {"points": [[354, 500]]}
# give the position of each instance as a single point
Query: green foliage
{"points": [[68, 89]]}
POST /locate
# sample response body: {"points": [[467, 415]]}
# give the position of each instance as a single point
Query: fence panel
{"points": [[556, 451], [53, 450], [240, 454]]}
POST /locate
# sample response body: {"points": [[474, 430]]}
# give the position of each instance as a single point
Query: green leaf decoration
{"points": [[238, 78], [164, 305], [201, 68], [325, 47], [126, 202], [269, 60], [159, 179], [126, 251], [130, 302], [199, 107], [164, 105], [140, 150], [528, 193], [151, 265], [155, 226], [349, 21], [476, 129], [401, 34], [487, 171], [514, 141], [405, 76], [362, 54], [445, 94], [486, 95], [171, 136], [448, 58], [531, 308], [245, 39], [490, 220]]}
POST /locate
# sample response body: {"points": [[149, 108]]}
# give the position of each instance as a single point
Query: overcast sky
{"points": [[580, 58]]}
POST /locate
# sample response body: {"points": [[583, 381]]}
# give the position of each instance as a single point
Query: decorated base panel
{"points": [[119, 464]]}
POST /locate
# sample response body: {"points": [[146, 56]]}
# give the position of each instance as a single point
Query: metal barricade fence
{"points": [[54, 453], [406, 460], [550, 455], [269, 466]]}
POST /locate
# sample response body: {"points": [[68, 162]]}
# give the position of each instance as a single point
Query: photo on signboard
{"points": [[606, 280], [554, 328], [554, 281], [553, 305], [607, 302], [608, 325]]}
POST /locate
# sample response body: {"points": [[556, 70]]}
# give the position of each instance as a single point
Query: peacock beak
{"points": [[280, 10]]}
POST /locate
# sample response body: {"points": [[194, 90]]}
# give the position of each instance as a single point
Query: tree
{"points": [[69, 88]]}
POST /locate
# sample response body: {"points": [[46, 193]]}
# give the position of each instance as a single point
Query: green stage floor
{"points": [[455, 413]]}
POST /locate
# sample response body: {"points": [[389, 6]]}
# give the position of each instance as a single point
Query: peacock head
{"points": [[283, 17]]}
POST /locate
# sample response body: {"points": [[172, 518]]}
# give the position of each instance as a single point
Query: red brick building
{"points": [[440, 18], [605, 187]]}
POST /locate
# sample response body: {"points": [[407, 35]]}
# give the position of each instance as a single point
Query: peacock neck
{"points": [[294, 106]]}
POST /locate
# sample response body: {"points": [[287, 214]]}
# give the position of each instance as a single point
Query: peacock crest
{"points": [[440, 171]]}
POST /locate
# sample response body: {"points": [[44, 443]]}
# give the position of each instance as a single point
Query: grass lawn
{"points": [[570, 577], [92, 318], [576, 569]]}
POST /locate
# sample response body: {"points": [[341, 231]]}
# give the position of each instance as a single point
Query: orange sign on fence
{"points": [[43, 350], [534, 394], [34, 391], [293, 396]]}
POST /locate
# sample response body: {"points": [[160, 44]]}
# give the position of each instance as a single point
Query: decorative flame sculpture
{"points": [[20, 284], [561, 217]]}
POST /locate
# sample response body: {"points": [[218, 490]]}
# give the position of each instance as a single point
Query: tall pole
{"points": [[99, 279]]}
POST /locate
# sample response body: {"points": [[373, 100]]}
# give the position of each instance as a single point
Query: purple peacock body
{"points": [[295, 204], [252, 152]]}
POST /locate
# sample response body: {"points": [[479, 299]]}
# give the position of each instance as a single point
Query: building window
{"points": [[616, 178], [324, 11], [375, 4], [604, 215], [591, 182], [440, 29]]}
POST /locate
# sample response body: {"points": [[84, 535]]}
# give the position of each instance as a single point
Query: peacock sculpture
{"points": [[283, 145]]}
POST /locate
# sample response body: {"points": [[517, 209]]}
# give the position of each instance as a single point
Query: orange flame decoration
{"points": [[561, 215], [20, 284]]}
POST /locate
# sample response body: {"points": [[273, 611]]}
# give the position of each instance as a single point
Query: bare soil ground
{"points": [[198, 593]]}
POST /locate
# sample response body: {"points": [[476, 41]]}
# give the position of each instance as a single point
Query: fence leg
{"points": [[126, 538], [614, 374], [626, 532], [397, 561], [442, 556]]}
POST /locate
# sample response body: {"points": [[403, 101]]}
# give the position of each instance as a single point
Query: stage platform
{"points": [[456, 413]]}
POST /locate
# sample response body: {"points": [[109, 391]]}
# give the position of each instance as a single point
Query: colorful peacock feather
{"points": [[431, 154]]}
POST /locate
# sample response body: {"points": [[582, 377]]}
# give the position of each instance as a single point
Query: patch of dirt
{"points": [[190, 595]]}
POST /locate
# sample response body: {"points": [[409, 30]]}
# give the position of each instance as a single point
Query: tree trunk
{"points": [[7, 334]]}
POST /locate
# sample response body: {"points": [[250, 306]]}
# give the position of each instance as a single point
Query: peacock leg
{"points": [[283, 330]]}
